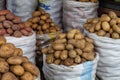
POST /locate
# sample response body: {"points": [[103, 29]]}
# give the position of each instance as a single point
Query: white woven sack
{"points": [[2, 4], [54, 7], [109, 51], [27, 44], [38, 78], [76, 13], [22, 8], [84, 71]]}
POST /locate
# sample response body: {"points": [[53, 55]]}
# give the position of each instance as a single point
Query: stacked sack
{"points": [[76, 12], [70, 56], [105, 31], [15, 66], [17, 33]]}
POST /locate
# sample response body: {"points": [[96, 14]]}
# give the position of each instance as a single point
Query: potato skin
{"points": [[58, 47], [89, 56], [17, 70], [49, 59], [64, 55], [57, 54], [4, 66], [68, 62], [9, 76], [78, 59], [72, 54], [57, 61], [27, 76], [18, 52], [30, 67], [2, 40]]}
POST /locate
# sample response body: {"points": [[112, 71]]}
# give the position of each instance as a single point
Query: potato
{"points": [[45, 26], [48, 20], [115, 35], [2, 18], [72, 41], [43, 17], [57, 54], [9, 31], [69, 62], [60, 41], [36, 14], [57, 61], [72, 53], [9, 76], [89, 20], [28, 29], [83, 60], [113, 22], [2, 32], [78, 51], [98, 26], [18, 52], [69, 47], [78, 59], [17, 34], [35, 20], [105, 26], [107, 35], [28, 24], [52, 24], [112, 14], [101, 33], [17, 20], [89, 56], [118, 20], [50, 51], [1, 25], [71, 34], [7, 24], [105, 17], [111, 31], [4, 12], [24, 32], [10, 16], [116, 28], [2, 40], [21, 25], [45, 50], [30, 67], [27, 76], [88, 47], [15, 60], [4, 66], [49, 59], [64, 55], [80, 44], [58, 47], [79, 36], [2, 59], [7, 50], [89, 40], [61, 36], [41, 22], [15, 27]]}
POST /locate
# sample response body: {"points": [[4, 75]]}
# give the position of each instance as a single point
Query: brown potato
{"points": [[64, 55], [83, 60], [57, 61], [7, 24], [9, 76], [112, 14], [58, 47], [24, 32], [89, 20], [30, 67], [10, 16], [9, 31], [105, 26], [105, 17], [79, 36], [60, 41], [98, 26], [115, 35], [36, 14], [2, 18], [71, 34], [89, 40], [2, 40], [95, 20], [2, 32], [28, 24], [45, 26], [27, 76], [49, 59], [111, 31], [4, 66], [57, 54], [92, 29], [72, 41], [89, 56], [45, 50], [72, 53], [78, 59], [4, 12], [18, 52], [78, 51], [48, 20], [34, 26], [88, 47], [15, 60], [41, 22], [7, 50], [101, 33], [15, 27], [17, 70], [17, 34], [69, 47], [80, 44], [61, 36], [21, 25], [113, 22], [35, 20], [107, 35], [1, 25], [25, 59], [69, 62], [116, 28], [43, 17], [17, 20]]}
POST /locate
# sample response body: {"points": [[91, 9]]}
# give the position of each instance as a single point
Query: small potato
{"points": [[58, 47], [9, 76], [115, 35], [64, 55], [112, 14], [7, 24], [27, 76], [105, 26], [4, 66], [88, 47], [30, 67], [17, 34], [21, 25], [45, 26], [2, 32], [18, 52], [52, 24], [2, 40], [72, 41], [24, 32], [28, 29], [7, 50], [79, 51], [79, 36], [49, 59], [71, 34], [4, 12], [57, 61], [116, 28], [57, 54], [78, 59], [98, 26], [89, 40], [50, 51], [89, 20], [10, 16], [36, 14], [72, 53], [15, 27], [41, 22], [15, 60], [107, 35], [80, 44], [28, 24], [89, 56], [69, 47], [95, 20], [35, 20], [48, 20], [101, 33], [9, 31], [2, 18], [118, 20], [17, 20], [60, 41], [25, 59], [34, 26], [113, 22], [92, 29], [105, 17], [1, 25], [111, 31], [43, 17], [69, 62], [61, 36], [45, 50], [17, 70]]}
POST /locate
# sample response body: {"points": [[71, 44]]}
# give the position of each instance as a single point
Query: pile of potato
{"points": [[69, 49], [13, 65], [11, 25], [41, 23], [108, 25], [94, 1]]}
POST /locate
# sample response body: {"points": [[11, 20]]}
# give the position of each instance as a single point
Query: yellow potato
{"points": [[89, 56], [116, 28], [105, 17], [105, 26], [80, 44], [69, 62], [27, 76], [79, 51], [58, 47], [2, 40], [18, 52], [45, 50], [89, 47], [89, 40], [57, 54], [98, 26], [4, 66], [78, 59], [57, 61], [113, 22], [79, 36], [115, 35], [72, 53], [64, 55], [69, 47], [101, 33], [61, 36], [60, 41], [112, 14], [49, 59]]}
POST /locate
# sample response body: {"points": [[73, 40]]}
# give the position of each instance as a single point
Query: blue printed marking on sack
{"points": [[87, 71], [46, 7]]}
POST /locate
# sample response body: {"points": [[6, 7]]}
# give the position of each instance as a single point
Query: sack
{"points": [[109, 51], [2, 4], [27, 44], [22, 8], [76, 13], [84, 71], [54, 7], [38, 78]]}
